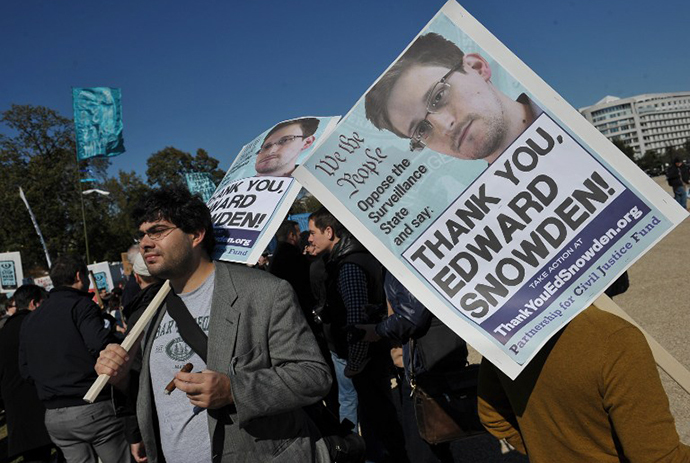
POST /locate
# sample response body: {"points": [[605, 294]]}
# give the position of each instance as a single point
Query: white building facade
{"points": [[652, 121]]}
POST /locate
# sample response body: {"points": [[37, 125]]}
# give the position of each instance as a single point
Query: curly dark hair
{"points": [[287, 227], [179, 207]]}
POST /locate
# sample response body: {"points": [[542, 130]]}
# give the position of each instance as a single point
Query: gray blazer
{"points": [[259, 338]]}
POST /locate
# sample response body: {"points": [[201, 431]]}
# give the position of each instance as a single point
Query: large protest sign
{"points": [[488, 196], [257, 191], [11, 272], [98, 121]]}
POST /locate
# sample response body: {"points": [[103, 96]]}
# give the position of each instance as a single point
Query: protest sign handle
{"points": [[131, 338], [664, 360]]}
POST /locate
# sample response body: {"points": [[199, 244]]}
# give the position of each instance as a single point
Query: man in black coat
{"points": [[58, 346], [289, 264], [26, 434], [678, 177]]}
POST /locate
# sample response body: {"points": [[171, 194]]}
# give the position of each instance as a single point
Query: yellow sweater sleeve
{"points": [[634, 398], [495, 411]]}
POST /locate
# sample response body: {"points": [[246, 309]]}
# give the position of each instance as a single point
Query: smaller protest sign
{"points": [[101, 280], [98, 121], [8, 274], [44, 282], [200, 183], [256, 193], [107, 274], [11, 273]]}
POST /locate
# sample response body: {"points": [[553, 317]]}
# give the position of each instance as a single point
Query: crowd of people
{"points": [[316, 354], [678, 178]]}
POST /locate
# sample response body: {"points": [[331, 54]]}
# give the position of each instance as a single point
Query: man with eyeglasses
{"points": [[277, 156], [442, 99], [244, 401]]}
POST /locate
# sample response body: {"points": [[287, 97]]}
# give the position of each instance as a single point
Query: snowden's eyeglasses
{"points": [[283, 141], [438, 98]]}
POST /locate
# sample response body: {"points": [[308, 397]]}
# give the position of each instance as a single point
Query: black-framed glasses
{"points": [[282, 141], [155, 233], [438, 98]]}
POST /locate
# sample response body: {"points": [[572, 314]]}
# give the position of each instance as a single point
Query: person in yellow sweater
{"points": [[592, 394]]}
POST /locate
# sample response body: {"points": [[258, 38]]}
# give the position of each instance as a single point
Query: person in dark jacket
{"points": [[59, 344], [26, 434], [354, 281], [7, 311], [289, 264], [438, 352], [678, 177]]}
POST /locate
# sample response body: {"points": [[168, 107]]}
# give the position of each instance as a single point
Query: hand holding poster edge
{"points": [[131, 338]]}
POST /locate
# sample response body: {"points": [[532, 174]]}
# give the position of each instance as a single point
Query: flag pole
{"points": [[83, 212], [89, 105], [38, 230]]}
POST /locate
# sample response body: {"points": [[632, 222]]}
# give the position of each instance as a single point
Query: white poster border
{"points": [[570, 118], [285, 203]]}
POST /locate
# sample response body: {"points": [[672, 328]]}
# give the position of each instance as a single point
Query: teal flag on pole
{"points": [[200, 183], [98, 121]]}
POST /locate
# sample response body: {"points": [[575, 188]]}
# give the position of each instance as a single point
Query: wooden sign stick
{"points": [[666, 362], [131, 338]]}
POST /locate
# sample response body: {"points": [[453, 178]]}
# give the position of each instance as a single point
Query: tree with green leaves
{"points": [[38, 153], [39, 156], [125, 192], [168, 166], [307, 203], [626, 149], [651, 162]]}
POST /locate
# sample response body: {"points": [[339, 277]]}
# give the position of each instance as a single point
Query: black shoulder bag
{"points": [[447, 411], [190, 331]]}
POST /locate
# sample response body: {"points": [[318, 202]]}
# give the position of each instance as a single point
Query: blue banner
{"points": [[200, 183], [101, 280], [98, 121], [302, 220]]}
